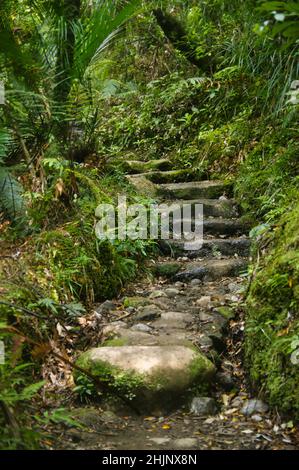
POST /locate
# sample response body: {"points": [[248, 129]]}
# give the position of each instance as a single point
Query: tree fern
{"points": [[11, 191]]}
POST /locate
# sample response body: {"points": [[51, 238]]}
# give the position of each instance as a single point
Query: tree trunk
{"points": [[176, 34]]}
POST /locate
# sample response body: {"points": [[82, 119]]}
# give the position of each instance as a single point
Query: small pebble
{"points": [[171, 292], [256, 418], [203, 301]]}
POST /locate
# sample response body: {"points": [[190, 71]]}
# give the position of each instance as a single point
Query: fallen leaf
{"points": [[166, 426]]}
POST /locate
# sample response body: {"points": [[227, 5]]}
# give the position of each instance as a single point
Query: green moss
{"points": [[272, 322], [152, 165], [136, 301], [226, 312], [166, 269], [161, 386], [174, 176], [115, 342], [201, 367], [125, 383]]}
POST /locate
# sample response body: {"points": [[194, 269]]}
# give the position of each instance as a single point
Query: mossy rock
{"points": [[136, 166], [166, 269], [143, 185], [272, 322], [227, 312], [195, 189], [135, 301], [173, 176], [151, 376]]}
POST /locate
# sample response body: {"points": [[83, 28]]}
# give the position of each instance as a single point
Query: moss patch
{"points": [[272, 324], [226, 312], [166, 269]]}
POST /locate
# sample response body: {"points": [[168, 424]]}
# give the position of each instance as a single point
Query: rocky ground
{"points": [[172, 346]]}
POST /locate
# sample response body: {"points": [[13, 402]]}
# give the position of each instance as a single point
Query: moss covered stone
{"points": [[173, 176], [226, 312], [272, 321], [166, 269], [193, 190], [136, 301], [136, 166], [151, 375]]}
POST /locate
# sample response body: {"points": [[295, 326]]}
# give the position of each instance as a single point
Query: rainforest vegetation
{"points": [[211, 86]]}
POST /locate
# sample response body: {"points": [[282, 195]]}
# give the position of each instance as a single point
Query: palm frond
{"points": [[95, 33]]}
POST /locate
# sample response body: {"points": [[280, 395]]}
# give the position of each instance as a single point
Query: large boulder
{"points": [[154, 377]]}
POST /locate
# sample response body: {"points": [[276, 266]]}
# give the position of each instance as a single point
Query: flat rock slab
{"points": [[130, 337], [193, 190], [219, 226], [210, 247], [165, 176], [173, 320], [211, 207], [143, 185], [212, 270], [150, 375], [135, 166]]}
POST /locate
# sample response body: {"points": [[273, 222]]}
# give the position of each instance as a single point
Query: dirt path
{"points": [[194, 297]]}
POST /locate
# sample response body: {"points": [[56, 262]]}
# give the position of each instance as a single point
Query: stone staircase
{"points": [[173, 332]]}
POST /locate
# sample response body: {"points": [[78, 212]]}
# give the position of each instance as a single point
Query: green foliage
{"points": [[15, 390], [60, 416], [72, 104], [268, 177], [272, 324], [85, 388], [285, 20]]}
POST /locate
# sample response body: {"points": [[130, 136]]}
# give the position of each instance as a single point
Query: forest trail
{"points": [[193, 299]]}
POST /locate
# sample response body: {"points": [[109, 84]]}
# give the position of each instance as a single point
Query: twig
{"points": [[122, 317], [104, 387]]}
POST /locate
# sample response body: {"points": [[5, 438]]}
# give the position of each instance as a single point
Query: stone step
{"points": [[211, 247], [143, 185], [195, 189], [172, 176], [136, 166], [225, 208], [219, 226], [215, 226], [154, 376], [209, 270]]}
